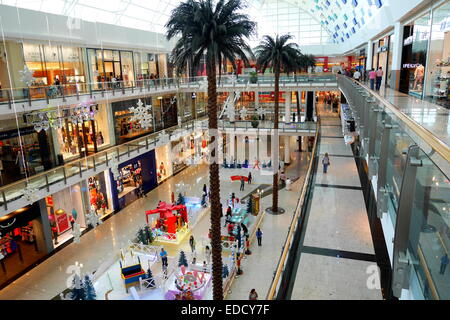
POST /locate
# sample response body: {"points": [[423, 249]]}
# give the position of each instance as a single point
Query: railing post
{"points": [[4, 200], [46, 95], [118, 154], [46, 183], [79, 168], [128, 150], [93, 161], [65, 175], [63, 93], [9, 99], [146, 143], [77, 93], [107, 161]]}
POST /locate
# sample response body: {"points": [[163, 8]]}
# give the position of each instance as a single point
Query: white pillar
{"points": [[56, 145], [231, 146], [369, 55], [111, 127], [314, 105], [287, 150], [240, 141], [287, 106], [396, 56], [256, 99]]}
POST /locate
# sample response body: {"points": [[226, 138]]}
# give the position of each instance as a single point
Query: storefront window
{"points": [[438, 73], [99, 197], [414, 56], [163, 162]]}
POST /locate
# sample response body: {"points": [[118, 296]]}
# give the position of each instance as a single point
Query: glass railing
{"points": [[409, 168], [269, 125], [48, 93]]}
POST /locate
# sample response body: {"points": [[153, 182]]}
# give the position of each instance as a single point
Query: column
{"points": [[314, 105], [241, 145], [111, 124], [369, 55], [256, 99], [396, 56], [287, 106], [231, 156], [287, 150], [42, 229]]}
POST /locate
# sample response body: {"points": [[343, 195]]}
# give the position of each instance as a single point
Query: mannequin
{"points": [[418, 76]]}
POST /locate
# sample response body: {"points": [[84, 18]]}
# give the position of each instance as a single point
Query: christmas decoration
{"points": [[243, 113], [77, 289], [260, 111], [76, 232], [149, 277], [180, 199], [93, 219], [163, 138], [30, 194], [88, 288], [250, 205], [142, 114], [225, 271], [26, 76], [182, 261], [114, 166]]}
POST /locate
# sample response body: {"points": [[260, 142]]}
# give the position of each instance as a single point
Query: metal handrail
{"points": [[434, 142], [287, 245]]}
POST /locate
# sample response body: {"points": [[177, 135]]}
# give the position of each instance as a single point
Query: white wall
{"points": [[21, 23]]}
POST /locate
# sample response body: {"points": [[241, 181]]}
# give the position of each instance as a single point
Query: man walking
{"points": [[259, 236], [357, 75], [163, 255], [379, 78], [242, 183]]}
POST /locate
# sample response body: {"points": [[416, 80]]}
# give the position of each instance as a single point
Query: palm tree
{"points": [[217, 31], [278, 54]]}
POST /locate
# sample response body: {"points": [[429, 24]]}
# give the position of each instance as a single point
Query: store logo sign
{"points": [[445, 25], [410, 65], [408, 41]]}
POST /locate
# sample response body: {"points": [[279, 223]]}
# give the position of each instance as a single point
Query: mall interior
{"points": [[105, 167]]}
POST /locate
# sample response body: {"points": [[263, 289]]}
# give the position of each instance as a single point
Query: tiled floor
{"points": [[336, 252]]}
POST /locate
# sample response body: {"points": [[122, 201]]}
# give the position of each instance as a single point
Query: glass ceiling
{"points": [[340, 18]]}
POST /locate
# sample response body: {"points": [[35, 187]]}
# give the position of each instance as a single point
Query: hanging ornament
{"points": [[163, 138], [76, 232], [230, 112], [74, 214], [114, 166], [30, 194], [93, 219], [260, 111], [243, 113], [26, 76], [142, 115]]}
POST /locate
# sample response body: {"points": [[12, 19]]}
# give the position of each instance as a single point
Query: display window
{"points": [[438, 73], [99, 197], [64, 208], [22, 241], [54, 66], [130, 179], [84, 137], [163, 156]]}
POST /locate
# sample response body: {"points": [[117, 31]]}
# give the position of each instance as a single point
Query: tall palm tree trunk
{"points": [[214, 183], [275, 142], [298, 119]]}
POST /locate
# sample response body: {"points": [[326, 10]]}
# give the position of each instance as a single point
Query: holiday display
{"points": [[182, 261], [132, 273], [172, 218], [88, 287], [142, 115]]}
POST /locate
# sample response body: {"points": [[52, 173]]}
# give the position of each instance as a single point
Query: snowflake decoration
{"points": [[142, 114], [230, 112], [114, 166], [93, 219], [76, 232], [243, 113], [163, 138], [203, 85], [30, 194], [26, 76], [260, 111]]}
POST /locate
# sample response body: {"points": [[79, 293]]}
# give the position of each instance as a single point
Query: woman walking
{"points": [[192, 243], [208, 254], [326, 162], [253, 295]]}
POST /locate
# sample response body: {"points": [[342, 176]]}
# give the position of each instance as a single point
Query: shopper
{"points": [[372, 76], [444, 262], [227, 216], [192, 243], [249, 178], [163, 255], [325, 162], [379, 77], [208, 254], [259, 235], [205, 267], [205, 189], [242, 183], [357, 75], [253, 295]]}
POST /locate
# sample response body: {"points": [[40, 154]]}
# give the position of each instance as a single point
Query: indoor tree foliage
{"points": [[217, 30], [279, 54]]}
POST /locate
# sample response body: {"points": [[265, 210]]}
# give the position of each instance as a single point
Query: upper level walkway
{"points": [[38, 97]]}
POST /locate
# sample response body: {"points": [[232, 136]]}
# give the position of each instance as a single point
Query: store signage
{"points": [[382, 49], [62, 222], [445, 25], [408, 41], [410, 65]]}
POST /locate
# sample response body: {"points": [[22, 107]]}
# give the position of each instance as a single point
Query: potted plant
{"points": [[255, 122], [253, 77]]}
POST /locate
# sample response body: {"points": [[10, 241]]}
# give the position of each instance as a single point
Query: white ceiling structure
{"points": [[344, 23]]}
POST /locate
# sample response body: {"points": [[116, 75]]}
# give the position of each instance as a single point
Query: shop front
{"points": [[414, 56], [107, 67], [137, 176], [54, 65], [23, 151], [78, 136], [100, 201], [382, 56], [22, 242], [164, 162], [438, 70], [64, 208]]}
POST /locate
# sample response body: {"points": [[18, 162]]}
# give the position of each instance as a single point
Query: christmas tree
{"points": [[89, 290], [225, 271], [180, 199], [141, 238], [149, 276], [182, 261], [203, 203], [250, 205], [77, 289]]}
